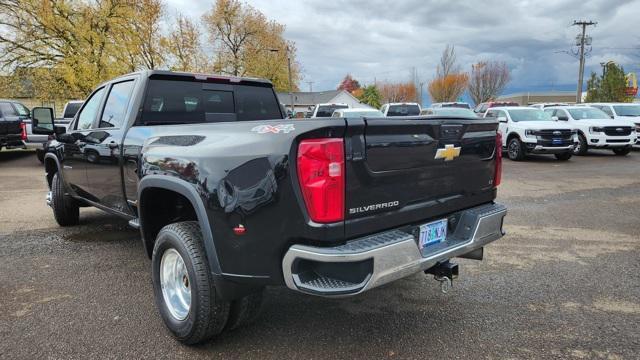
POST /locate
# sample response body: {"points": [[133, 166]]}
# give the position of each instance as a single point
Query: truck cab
{"points": [[527, 130], [596, 129]]}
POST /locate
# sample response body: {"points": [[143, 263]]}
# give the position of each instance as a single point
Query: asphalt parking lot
{"points": [[564, 282]]}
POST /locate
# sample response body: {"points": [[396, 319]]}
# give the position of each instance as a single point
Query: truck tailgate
{"points": [[415, 169], [10, 126]]}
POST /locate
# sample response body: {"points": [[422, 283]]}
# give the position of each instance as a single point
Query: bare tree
{"points": [[450, 82], [447, 64], [488, 80]]}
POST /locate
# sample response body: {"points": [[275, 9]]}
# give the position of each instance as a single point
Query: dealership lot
{"points": [[564, 282]]}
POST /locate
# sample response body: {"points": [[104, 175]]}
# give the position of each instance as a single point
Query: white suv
{"points": [[622, 111], [526, 130], [596, 129], [401, 109]]}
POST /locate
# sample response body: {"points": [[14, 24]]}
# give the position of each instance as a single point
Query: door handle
{"points": [[113, 145]]}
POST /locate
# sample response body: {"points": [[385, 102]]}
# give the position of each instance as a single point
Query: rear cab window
{"points": [[403, 110], [181, 100], [327, 110], [7, 110]]}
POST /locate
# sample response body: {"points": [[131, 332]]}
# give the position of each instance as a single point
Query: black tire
{"points": [[65, 208], [207, 314], [40, 156], [245, 310], [582, 147], [92, 156], [515, 149], [622, 151], [564, 156]]}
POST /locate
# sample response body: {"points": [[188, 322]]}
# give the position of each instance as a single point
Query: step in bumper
{"points": [[374, 260]]}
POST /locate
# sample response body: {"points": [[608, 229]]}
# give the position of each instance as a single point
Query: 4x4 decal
{"points": [[266, 129]]}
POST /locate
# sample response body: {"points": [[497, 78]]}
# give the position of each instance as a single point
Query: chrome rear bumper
{"points": [[371, 261]]}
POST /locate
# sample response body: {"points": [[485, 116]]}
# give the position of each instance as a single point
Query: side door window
{"points": [[90, 110], [491, 114], [22, 110], [115, 108], [606, 109], [561, 114]]}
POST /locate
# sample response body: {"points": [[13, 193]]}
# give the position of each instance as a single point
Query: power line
{"points": [[310, 83]]}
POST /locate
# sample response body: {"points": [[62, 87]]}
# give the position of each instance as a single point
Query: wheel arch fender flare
{"points": [[511, 135], [187, 190], [50, 158]]}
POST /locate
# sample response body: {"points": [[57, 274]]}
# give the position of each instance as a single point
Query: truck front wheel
{"points": [[65, 208], [515, 149], [582, 147], [183, 285]]}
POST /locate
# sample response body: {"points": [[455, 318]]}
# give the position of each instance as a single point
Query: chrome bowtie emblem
{"points": [[449, 152]]}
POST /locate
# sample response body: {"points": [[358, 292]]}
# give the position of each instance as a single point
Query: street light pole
{"points": [[291, 103]]}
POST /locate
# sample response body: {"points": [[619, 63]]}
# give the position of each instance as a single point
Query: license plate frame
{"points": [[432, 233]]}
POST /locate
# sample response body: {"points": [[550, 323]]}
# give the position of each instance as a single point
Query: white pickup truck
{"points": [[526, 130], [622, 111], [596, 129]]}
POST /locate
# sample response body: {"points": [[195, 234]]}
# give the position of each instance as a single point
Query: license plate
{"points": [[557, 141], [432, 233]]}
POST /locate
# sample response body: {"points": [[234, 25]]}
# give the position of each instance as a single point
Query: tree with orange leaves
{"points": [[398, 92], [449, 83]]}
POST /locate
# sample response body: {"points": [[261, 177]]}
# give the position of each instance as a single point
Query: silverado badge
{"points": [[449, 153]]}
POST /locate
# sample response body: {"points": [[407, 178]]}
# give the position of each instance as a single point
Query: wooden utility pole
{"points": [[581, 43]]}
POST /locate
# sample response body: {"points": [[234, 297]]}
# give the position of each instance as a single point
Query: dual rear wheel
{"points": [[185, 291]]}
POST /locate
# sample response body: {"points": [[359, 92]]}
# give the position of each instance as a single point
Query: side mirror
{"points": [[563, 118], [554, 118], [502, 119], [42, 122]]}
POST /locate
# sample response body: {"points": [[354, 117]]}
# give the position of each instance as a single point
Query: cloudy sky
{"points": [[385, 40]]}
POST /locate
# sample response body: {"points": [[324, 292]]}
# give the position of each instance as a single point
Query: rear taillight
{"points": [[321, 178], [497, 177], [23, 131]]}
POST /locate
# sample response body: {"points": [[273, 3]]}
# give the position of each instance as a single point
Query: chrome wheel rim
{"points": [[175, 283], [513, 150]]}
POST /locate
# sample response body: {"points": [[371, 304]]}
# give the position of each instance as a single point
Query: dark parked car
{"points": [[230, 197], [12, 127]]}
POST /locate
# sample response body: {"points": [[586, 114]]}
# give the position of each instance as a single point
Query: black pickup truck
{"points": [[12, 126], [230, 196]]}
